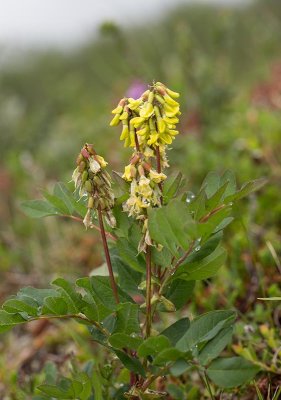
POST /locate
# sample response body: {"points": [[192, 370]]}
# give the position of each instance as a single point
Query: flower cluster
{"points": [[92, 180], [151, 120], [149, 126]]}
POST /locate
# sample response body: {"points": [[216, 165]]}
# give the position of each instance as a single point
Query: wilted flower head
{"points": [[92, 180]]}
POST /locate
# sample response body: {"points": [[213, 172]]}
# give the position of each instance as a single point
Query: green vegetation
{"points": [[225, 63]]}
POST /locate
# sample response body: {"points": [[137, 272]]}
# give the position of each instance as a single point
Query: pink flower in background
{"points": [[136, 89]]}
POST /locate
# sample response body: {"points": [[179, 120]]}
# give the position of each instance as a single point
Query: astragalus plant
{"points": [[158, 239]]}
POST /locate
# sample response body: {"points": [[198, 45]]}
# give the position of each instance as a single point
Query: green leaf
{"points": [[175, 331], [129, 254], [229, 177], [216, 198], [35, 294], [179, 292], [171, 226], [206, 229], [62, 193], [153, 345], [167, 355], [211, 183], [197, 206], [55, 306], [231, 372], [162, 258], [38, 209], [66, 389], [201, 269], [128, 278], [127, 318], [179, 367], [99, 288], [131, 363], [172, 186], [122, 340], [56, 202], [16, 305], [204, 328], [207, 248], [72, 298], [246, 189], [8, 320], [215, 346]]}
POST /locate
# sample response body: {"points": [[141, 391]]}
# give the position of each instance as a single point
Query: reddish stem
{"points": [[108, 234], [107, 256]]}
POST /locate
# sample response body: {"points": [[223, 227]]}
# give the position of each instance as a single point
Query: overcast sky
{"points": [[25, 23]]}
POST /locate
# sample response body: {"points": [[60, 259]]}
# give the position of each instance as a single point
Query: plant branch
{"points": [[107, 256], [175, 267], [68, 316], [137, 142], [108, 234], [207, 216], [152, 378]]}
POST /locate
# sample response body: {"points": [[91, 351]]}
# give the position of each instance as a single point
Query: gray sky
{"points": [[25, 23]]}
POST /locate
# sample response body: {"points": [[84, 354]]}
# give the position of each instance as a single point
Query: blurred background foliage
{"points": [[226, 63]]}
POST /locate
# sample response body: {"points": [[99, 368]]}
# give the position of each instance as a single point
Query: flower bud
{"points": [[85, 153], [150, 97], [169, 306], [147, 110], [88, 186], [141, 170], [159, 99], [81, 166], [115, 120], [173, 94], [84, 176], [134, 104], [124, 116], [79, 159], [170, 100], [125, 131], [91, 202]]}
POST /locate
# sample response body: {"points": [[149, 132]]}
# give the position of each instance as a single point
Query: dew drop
{"points": [[189, 197], [197, 248]]}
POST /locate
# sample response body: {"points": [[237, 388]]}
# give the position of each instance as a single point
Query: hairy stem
{"points": [[107, 256], [148, 291]]}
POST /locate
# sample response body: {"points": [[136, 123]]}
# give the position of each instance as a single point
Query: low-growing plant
{"points": [[158, 240]]}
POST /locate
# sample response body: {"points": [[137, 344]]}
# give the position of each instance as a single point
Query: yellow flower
{"points": [[144, 188], [101, 161], [156, 177], [130, 172]]}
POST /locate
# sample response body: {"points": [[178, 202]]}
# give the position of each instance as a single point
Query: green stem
{"points": [[68, 316], [148, 291], [207, 382]]}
